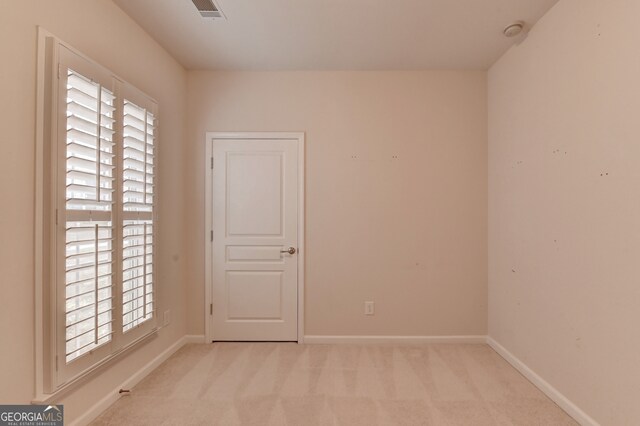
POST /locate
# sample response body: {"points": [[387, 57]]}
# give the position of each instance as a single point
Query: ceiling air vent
{"points": [[208, 9]]}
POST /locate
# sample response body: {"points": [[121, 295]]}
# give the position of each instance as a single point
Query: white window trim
{"points": [[49, 387]]}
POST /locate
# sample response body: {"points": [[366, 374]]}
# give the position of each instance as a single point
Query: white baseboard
{"points": [[194, 338], [554, 394], [112, 396], [398, 340]]}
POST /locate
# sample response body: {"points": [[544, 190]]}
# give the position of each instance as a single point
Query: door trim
{"points": [[208, 196]]}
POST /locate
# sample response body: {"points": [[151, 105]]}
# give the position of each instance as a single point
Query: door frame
{"points": [[299, 137]]}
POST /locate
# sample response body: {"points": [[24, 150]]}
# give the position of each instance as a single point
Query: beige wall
{"points": [[564, 210], [408, 233], [102, 31]]}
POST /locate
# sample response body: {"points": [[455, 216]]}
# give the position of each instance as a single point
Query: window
{"points": [[102, 282], [88, 213], [137, 178]]}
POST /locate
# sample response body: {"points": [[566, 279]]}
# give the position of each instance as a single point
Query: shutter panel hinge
{"points": [[56, 216], [211, 235], [56, 362], [211, 309], [59, 66], [212, 162]]}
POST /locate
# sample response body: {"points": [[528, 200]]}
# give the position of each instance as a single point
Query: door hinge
{"points": [[56, 216], [212, 162], [212, 236], [211, 309]]}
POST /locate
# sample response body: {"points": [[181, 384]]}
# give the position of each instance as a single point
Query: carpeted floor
{"points": [[290, 384]]}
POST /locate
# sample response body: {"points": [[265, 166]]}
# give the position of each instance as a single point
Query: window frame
{"points": [[68, 60], [53, 375]]}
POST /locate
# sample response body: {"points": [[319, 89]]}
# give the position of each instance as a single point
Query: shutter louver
{"points": [[137, 290], [89, 223], [137, 187]]}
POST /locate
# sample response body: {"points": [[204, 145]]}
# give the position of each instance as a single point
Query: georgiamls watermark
{"points": [[31, 415]]}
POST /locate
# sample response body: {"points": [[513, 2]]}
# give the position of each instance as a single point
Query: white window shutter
{"points": [[138, 194], [90, 164], [105, 297]]}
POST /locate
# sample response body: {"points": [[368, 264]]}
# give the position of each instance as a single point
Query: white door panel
{"points": [[254, 181], [255, 214]]}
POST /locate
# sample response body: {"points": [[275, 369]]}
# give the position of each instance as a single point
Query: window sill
{"points": [[75, 383]]}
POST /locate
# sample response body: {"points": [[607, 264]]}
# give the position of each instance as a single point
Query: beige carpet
{"points": [[290, 384]]}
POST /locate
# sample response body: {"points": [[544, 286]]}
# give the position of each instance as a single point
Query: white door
{"points": [[255, 239]]}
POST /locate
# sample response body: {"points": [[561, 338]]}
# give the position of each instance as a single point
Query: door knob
{"points": [[290, 250]]}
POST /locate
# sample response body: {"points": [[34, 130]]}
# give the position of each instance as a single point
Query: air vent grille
{"points": [[208, 9]]}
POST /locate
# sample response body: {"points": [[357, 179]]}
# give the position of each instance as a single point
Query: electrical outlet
{"points": [[166, 320], [368, 308]]}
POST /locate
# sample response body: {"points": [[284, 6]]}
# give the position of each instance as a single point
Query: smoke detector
{"points": [[208, 9], [514, 29]]}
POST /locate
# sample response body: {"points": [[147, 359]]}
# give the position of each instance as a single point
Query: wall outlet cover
{"points": [[369, 308]]}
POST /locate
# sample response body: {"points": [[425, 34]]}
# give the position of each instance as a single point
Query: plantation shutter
{"points": [[104, 193], [89, 169], [138, 194]]}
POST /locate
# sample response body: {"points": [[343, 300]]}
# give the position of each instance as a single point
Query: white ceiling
{"points": [[336, 34]]}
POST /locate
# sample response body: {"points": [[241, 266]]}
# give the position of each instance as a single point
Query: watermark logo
{"points": [[31, 415]]}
